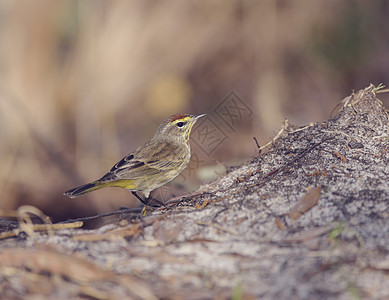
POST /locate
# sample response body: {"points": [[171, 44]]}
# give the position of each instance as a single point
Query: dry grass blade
{"points": [[53, 262], [308, 201], [120, 233], [24, 217], [284, 128], [71, 267], [24, 213]]}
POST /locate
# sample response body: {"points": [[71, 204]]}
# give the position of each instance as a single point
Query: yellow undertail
{"points": [[96, 185]]}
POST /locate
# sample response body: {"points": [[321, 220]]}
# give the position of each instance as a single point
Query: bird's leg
{"points": [[147, 203], [139, 198]]}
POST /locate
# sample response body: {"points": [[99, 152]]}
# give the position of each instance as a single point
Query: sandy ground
{"points": [[308, 218]]}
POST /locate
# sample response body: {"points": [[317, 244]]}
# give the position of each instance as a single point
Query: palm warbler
{"points": [[152, 165]]}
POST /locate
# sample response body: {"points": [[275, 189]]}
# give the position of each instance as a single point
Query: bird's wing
{"points": [[148, 160]]}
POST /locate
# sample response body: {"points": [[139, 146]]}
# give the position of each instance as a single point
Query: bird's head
{"points": [[177, 127]]}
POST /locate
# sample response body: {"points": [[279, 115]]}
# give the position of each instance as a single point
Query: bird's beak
{"points": [[199, 116]]}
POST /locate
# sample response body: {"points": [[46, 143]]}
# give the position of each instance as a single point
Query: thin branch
{"points": [[136, 211]]}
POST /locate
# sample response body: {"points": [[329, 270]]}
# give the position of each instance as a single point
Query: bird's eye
{"points": [[180, 124]]}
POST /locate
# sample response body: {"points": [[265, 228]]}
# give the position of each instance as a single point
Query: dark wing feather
{"points": [[122, 163]]}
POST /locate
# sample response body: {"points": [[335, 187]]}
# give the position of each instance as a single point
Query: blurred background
{"points": [[82, 83]]}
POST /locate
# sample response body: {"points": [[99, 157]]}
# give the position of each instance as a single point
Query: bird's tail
{"points": [[83, 189]]}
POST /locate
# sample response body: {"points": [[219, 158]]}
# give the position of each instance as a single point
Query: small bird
{"points": [[152, 165]]}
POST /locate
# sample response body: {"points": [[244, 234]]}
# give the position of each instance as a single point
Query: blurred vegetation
{"points": [[82, 83]]}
